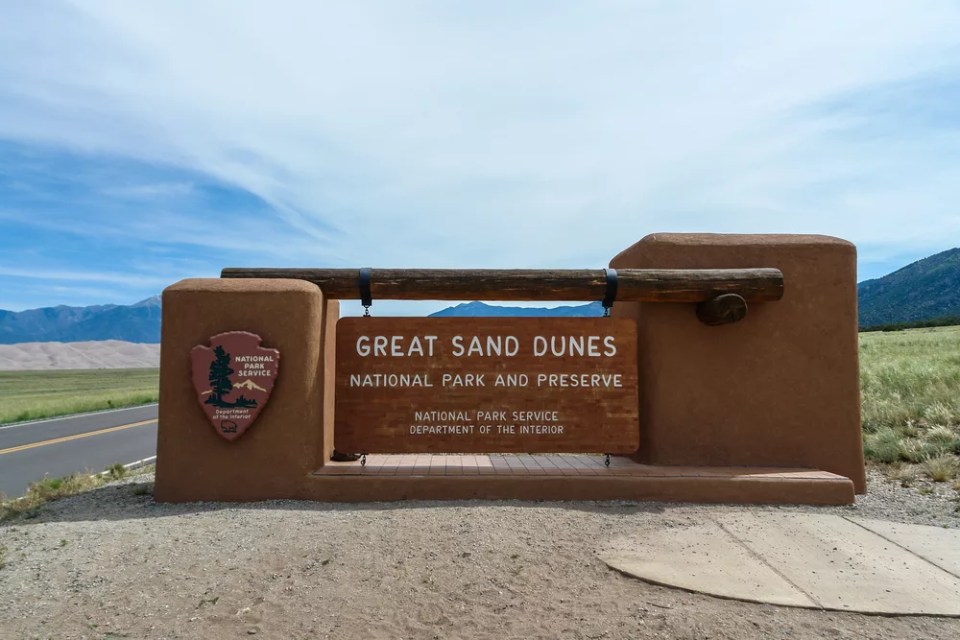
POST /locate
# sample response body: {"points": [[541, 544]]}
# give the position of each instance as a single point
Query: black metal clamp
{"points": [[366, 298], [611, 293]]}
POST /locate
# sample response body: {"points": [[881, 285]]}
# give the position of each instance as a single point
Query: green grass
{"points": [[910, 393], [910, 378], [31, 395]]}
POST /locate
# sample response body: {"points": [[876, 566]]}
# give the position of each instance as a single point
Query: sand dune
{"points": [[100, 354]]}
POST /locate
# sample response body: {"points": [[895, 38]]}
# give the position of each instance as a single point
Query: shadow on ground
{"points": [[132, 499]]}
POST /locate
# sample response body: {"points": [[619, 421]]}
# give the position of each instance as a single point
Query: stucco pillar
{"points": [[779, 388], [293, 434]]}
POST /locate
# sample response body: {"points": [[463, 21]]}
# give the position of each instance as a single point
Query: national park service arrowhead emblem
{"points": [[234, 377]]}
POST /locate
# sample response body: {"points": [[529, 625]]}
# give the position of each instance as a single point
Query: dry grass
{"points": [[47, 489], [910, 390], [905, 474], [942, 468]]}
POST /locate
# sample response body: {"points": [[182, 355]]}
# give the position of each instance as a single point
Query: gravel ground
{"points": [[113, 564], [931, 503]]}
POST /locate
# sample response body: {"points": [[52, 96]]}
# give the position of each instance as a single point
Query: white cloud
{"points": [[514, 134], [138, 279]]}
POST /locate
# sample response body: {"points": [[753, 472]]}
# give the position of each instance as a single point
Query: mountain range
{"points": [[138, 322], [924, 292], [483, 310]]}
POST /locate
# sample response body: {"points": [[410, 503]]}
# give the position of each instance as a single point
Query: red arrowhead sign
{"points": [[234, 377]]}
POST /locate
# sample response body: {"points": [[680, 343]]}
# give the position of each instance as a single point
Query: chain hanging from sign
{"points": [[608, 300], [366, 298]]}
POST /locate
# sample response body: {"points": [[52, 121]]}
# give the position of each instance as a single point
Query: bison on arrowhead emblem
{"points": [[234, 377]]}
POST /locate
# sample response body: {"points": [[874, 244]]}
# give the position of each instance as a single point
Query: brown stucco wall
{"points": [[273, 459], [328, 359], [780, 387]]}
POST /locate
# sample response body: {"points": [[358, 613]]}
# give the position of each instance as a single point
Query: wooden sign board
{"points": [[484, 385]]}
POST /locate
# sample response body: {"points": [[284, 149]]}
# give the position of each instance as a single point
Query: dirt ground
{"points": [[114, 564]]}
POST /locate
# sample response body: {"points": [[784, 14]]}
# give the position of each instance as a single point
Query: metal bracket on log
{"points": [[611, 294], [721, 295]]}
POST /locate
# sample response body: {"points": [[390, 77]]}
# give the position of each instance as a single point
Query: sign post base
{"points": [[568, 477]]}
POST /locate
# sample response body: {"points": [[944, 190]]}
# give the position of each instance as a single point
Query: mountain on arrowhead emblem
{"points": [[248, 384]]}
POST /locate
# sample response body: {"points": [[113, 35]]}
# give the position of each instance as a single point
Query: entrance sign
{"points": [[234, 377], [780, 428], [479, 385]]}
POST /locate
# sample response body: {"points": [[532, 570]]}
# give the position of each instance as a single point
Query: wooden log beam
{"points": [[634, 285], [725, 308]]}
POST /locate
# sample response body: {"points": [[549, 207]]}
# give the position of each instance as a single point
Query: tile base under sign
{"points": [[554, 477]]}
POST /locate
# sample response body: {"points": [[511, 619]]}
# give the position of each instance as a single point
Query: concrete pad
{"points": [[702, 557], [845, 567], [804, 560], [940, 547]]}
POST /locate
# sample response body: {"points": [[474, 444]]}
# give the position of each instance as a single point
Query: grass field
{"points": [[910, 390], [30, 395]]}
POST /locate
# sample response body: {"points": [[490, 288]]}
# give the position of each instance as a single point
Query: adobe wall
{"points": [[780, 387], [288, 440]]}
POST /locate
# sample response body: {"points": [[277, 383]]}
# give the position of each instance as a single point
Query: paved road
{"points": [[89, 442]]}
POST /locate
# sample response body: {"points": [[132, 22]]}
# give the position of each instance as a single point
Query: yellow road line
{"points": [[88, 434]]}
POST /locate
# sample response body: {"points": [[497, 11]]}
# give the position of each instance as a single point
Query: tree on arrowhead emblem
{"points": [[220, 383]]}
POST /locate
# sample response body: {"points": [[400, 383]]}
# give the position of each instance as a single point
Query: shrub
{"points": [[941, 468], [944, 438], [116, 471], [883, 445], [904, 474], [917, 451], [939, 413]]}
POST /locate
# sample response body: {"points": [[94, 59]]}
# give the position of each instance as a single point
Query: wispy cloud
{"points": [[85, 276], [149, 191], [444, 134]]}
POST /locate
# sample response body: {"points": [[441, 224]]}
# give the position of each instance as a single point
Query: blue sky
{"points": [[141, 143]]}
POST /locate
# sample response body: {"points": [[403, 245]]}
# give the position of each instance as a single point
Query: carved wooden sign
{"points": [[234, 377], [478, 385]]}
